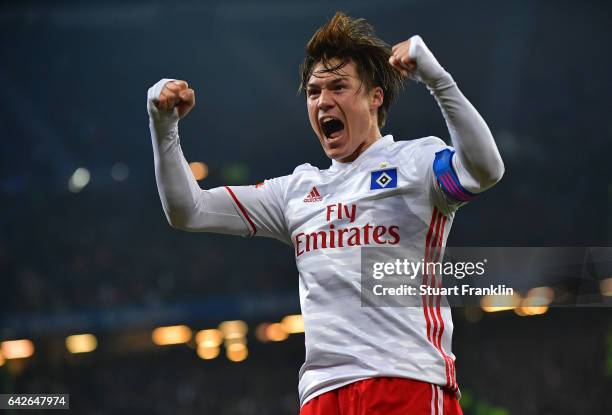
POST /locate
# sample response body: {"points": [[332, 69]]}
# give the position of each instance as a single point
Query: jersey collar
{"points": [[380, 143]]}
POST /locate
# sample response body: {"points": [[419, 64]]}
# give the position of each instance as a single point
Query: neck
{"points": [[373, 136]]}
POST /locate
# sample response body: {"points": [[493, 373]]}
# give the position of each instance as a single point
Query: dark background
{"points": [[73, 82]]}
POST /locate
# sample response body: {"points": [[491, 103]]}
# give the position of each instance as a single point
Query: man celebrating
{"points": [[377, 192]]}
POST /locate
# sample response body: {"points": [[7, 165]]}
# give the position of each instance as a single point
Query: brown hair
{"points": [[348, 39]]}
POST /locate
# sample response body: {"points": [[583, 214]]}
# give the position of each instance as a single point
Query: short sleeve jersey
{"points": [[401, 194]]}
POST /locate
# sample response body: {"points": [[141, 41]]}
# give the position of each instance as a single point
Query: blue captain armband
{"points": [[447, 178]]}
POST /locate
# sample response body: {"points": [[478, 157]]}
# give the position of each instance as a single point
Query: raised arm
{"points": [[185, 204], [478, 163], [234, 210]]}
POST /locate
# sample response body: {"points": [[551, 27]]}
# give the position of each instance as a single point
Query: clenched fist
{"points": [[414, 60], [169, 94], [401, 60]]}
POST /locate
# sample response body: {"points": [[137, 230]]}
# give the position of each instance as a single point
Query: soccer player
{"points": [[377, 192]]}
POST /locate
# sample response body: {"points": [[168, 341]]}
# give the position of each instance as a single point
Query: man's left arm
{"points": [[477, 162]]}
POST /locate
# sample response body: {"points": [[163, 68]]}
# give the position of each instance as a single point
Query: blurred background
{"points": [[101, 299]]}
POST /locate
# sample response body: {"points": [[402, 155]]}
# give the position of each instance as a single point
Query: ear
{"points": [[377, 97]]}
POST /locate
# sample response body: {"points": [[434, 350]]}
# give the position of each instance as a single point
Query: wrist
{"points": [[162, 118], [428, 69]]}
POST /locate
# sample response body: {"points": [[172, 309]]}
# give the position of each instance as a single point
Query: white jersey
{"points": [[400, 194], [328, 216]]}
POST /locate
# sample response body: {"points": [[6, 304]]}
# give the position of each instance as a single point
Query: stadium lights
{"points": [[167, 335], [293, 324], [260, 332], [79, 179], [235, 340], [606, 287], [276, 332], [233, 329], [236, 352], [271, 332], [536, 302], [209, 342], [530, 310], [207, 353], [81, 343], [199, 170], [209, 338], [544, 295], [17, 349], [495, 303]]}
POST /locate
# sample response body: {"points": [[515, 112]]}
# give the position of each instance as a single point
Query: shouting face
{"points": [[342, 112]]}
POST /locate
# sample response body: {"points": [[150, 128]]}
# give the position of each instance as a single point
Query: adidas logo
{"points": [[313, 196]]}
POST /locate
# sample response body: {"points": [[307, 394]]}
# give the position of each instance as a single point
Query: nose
{"points": [[325, 100]]}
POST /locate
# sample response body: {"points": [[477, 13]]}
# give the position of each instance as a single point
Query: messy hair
{"points": [[348, 39]]}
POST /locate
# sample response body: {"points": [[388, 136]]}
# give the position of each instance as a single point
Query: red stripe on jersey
{"points": [[451, 362], [432, 250], [434, 218], [435, 255], [242, 209], [438, 340], [437, 245]]}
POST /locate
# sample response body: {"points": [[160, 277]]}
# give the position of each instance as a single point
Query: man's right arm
{"points": [[185, 204]]}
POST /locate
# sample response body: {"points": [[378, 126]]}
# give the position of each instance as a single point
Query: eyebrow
{"points": [[334, 81]]}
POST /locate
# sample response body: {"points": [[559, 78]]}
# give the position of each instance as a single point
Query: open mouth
{"points": [[331, 127]]}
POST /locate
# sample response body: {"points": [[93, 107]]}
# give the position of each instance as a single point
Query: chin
{"points": [[335, 154], [338, 151]]}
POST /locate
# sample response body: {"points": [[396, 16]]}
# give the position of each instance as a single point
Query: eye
{"points": [[312, 92]]}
